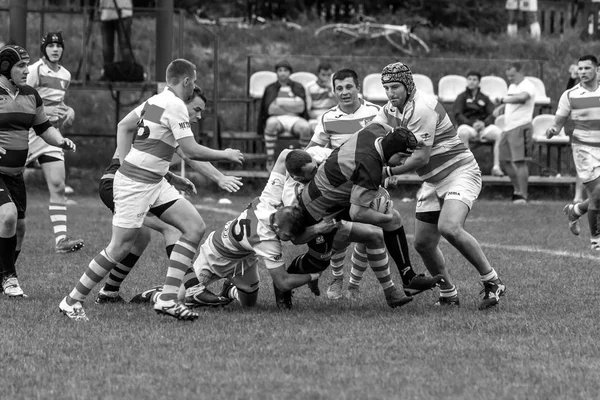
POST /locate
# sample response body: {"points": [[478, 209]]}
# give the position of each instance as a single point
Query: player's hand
{"points": [[573, 69], [326, 225], [67, 117], [478, 125], [231, 184], [391, 182], [390, 209], [552, 131], [234, 155], [67, 144], [183, 184], [498, 110], [2, 151]]}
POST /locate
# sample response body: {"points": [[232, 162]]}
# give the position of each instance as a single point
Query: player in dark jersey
{"points": [[345, 184], [21, 108]]}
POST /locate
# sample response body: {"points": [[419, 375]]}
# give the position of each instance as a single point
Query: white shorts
{"points": [[38, 147], [133, 199], [288, 121], [463, 184], [523, 5], [210, 266], [587, 161]]}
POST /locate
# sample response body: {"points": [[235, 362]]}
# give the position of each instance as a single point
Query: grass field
{"points": [[541, 342]]}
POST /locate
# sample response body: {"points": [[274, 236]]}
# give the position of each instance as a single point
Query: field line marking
{"points": [[525, 249], [532, 249]]}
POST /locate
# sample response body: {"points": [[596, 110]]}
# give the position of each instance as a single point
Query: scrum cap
{"points": [[51, 37], [9, 56], [398, 72]]}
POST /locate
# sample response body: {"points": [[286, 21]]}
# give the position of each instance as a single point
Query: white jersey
{"points": [[164, 119], [426, 117], [335, 126], [52, 86], [583, 106], [519, 114]]}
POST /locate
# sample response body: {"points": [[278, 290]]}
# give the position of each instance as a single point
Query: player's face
{"points": [[307, 174], [397, 159], [587, 71], [19, 72], [472, 82], [324, 76], [282, 231], [346, 91], [195, 108], [396, 93], [54, 52], [283, 74]]}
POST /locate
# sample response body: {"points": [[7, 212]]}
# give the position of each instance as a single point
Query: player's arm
{"points": [[517, 98], [326, 225], [418, 159], [286, 282], [195, 151], [562, 114], [53, 137], [229, 183], [125, 131]]}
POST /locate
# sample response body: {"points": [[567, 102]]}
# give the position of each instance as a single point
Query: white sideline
{"points": [[525, 249]]}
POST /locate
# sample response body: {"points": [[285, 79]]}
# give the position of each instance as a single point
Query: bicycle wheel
{"points": [[409, 43]]}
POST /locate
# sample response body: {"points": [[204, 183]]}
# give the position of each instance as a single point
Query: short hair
{"points": [[324, 66], [295, 160], [516, 65], [178, 70], [199, 92], [344, 73], [589, 57], [292, 215], [474, 73]]}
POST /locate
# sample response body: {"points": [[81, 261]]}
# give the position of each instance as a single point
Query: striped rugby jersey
{"points": [[248, 234], [350, 175], [584, 108], [321, 97], [164, 119], [335, 126], [424, 116], [18, 114], [52, 86]]}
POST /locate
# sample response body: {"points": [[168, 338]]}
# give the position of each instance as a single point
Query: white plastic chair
{"points": [[540, 124], [493, 87], [303, 77], [259, 81], [424, 83], [450, 86], [373, 89], [540, 91]]}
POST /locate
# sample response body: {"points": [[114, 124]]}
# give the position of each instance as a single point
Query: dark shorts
{"points": [[105, 190], [12, 190]]}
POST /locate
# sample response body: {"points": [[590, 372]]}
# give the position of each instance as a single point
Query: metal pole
{"points": [[18, 22], [216, 133], [164, 38]]}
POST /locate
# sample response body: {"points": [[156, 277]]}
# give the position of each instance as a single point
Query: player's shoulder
{"points": [[27, 90], [368, 105]]}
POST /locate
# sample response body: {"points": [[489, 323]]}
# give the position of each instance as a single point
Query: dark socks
{"points": [[7, 255], [397, 246]]}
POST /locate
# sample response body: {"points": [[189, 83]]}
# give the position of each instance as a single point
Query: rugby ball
{"points": [[381, 202]]}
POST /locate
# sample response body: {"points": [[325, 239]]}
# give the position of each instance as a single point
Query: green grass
{"points": [[540, 342]]}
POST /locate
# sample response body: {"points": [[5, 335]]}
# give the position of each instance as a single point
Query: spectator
{"points": [[116, 16], [516, 140], [474, 115], [528, 8], [283, 109], [320, 93]]}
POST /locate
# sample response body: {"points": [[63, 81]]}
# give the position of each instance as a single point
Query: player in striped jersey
{"points": [[21, 108], [452, 181], [582, 104], [51, 81], [140, 187]]}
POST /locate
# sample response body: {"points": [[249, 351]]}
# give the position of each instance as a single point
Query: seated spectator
{"points": [[320, 93], [473, 113], [283, 109]]}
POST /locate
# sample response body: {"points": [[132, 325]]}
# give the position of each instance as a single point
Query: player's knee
{"points": [[143, 239], [422, 244], [56, 185], [8, 219], [194, 231], [449, 230]]}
